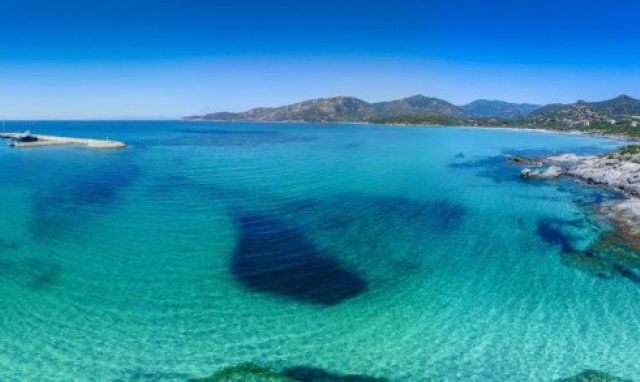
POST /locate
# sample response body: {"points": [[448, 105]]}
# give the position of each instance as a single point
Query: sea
{"points": [[348, 252]]}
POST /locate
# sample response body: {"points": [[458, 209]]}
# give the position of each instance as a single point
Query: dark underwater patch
{"points": [[313, 374], [550, 230], [101, 188], [248, 372], [587, 196], [606, 258], [272, 257], [499, 169], [627, 273], [6, 267], [593, 376], [55, 208], [495, 168], [41, 273], [252, 372], [37, 273], [7, 246]]}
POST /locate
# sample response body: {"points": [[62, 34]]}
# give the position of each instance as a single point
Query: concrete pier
{"points": [[50, 140]]}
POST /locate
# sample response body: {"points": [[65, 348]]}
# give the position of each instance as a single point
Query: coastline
{"points": [[528, 129], [615, 253], [563, 132]]}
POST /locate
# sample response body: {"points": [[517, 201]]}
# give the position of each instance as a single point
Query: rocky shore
{"points": [[616, 252], [619, 170]]}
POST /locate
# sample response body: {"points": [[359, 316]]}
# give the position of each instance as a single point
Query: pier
{"points": [[39, 140]]}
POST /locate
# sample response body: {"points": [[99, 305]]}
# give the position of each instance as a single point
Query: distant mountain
{"points": [[347, 109], [435, 110], [621, 105], [484, 108], [583, 112], [340, 109], [416, 105]]}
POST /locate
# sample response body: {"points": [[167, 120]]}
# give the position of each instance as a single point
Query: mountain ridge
{"points": [[484, 108], [419, 109], [352, 109]]}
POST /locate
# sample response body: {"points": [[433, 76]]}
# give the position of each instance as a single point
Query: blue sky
{"points": [[168, 58]]}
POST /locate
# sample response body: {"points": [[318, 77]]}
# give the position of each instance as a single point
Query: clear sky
{"points": [[168, 58]]}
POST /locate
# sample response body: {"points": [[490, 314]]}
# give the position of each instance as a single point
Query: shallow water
{"points": [[402, 253]]}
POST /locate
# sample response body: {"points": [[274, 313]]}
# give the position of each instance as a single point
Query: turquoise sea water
{"points": [[411, 254]]}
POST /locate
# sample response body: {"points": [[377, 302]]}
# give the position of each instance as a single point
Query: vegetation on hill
{"points": [[349, 109], [618, 116], [483, 108]]}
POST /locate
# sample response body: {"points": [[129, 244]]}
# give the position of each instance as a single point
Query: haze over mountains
{"points": [[350, 109]]}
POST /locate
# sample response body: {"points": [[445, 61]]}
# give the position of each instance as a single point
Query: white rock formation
{"points": [[619, 171], [549, 173]]}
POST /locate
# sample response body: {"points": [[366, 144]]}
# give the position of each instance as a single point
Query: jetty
{"points": [[38, 140]]}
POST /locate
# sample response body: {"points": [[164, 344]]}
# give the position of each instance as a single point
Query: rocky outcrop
{"points": [[619, 171], [525, 161], [549, 173]]}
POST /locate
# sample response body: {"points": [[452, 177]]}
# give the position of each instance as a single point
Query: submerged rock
{"points": [[589, 264], [249, 372], [313, 374], [593, 376], [525, 161], [625, 213], [246, 372], [273, 257]]}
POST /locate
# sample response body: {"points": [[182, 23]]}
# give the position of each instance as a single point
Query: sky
{"points": [[169, 58]]}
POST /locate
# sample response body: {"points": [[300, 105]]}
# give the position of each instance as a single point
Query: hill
{"points": [[318, 110], [350, 109], [416, 105], [483, 108], [620, 115], [588, 112]]}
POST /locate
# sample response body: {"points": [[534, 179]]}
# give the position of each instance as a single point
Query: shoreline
{"points": [[511, 128], [615, 252]]}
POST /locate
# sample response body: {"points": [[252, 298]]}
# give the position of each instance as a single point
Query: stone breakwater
{"points": [[50, 140]]}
